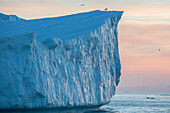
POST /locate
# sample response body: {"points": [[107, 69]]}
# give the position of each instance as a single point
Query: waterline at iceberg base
{"points": [[69, 61]]}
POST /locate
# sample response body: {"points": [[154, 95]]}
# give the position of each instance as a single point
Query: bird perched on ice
{"points": [[82, 5], [106, 9]]}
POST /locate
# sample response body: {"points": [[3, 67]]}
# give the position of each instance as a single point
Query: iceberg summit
{"points": [[67, 61]]}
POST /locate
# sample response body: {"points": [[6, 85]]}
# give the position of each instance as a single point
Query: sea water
{"points": [[138, 103], [120, 103]]}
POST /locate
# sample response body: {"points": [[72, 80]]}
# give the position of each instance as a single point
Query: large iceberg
{"points": [[67, 61]]}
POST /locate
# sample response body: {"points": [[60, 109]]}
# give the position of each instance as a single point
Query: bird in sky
{"points": [[82, 5], [159, 49]]}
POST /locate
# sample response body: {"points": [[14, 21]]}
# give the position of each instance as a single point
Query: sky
{"points": [[143, 30]]}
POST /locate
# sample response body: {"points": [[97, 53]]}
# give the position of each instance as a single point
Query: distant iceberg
{"points": [[150, 98], [67, 61]]}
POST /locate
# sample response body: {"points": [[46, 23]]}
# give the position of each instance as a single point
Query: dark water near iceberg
{"points": [[123, 103]]}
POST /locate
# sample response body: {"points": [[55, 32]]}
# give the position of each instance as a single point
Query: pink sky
{"points": [[144, 28], [142, 62]]}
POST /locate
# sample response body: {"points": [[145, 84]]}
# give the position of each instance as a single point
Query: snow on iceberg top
{"points": [[64, 27], [4, 18]]}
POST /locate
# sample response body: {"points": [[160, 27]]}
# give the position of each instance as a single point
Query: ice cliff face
{"points": [[37, 71]]}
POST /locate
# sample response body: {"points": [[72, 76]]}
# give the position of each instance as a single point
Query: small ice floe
{"points": [[150, 98]]}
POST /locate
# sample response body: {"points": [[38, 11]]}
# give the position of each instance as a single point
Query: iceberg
{"points": [[68, 61]]}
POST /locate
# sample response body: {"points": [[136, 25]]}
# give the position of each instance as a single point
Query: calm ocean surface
{"points": [[139, 103], [122, 103]]}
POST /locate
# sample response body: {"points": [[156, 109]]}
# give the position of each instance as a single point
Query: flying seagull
{"points": [[105, 9], [159, 49], [82, 5]]}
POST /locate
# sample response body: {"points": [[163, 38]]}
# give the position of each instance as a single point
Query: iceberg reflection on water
{"points": [[94, 109]]}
